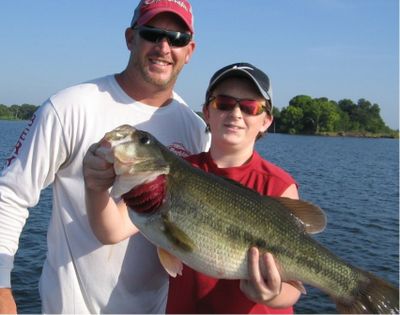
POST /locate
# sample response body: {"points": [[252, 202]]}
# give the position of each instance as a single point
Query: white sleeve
{"points": [[38, 154]]}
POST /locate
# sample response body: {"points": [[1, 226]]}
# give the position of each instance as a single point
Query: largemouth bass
{"points": [[209, 223]]}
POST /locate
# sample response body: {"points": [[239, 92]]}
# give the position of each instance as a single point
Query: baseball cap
{"points": [[243, 69], [147, 9]]}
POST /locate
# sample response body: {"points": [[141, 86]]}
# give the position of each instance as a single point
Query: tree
{"points": [[330, 116], [23, 112], [300, 101], [26, 111], [312, 114], [315, 115], [276, 123], [4, 112], [291, 118], [344, 123], [14, 110]]}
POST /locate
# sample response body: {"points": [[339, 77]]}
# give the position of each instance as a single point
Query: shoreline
{"points": [[350, 134], [365, 134]]}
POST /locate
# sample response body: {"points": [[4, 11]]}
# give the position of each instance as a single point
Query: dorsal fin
{"points": [[311, 216]]}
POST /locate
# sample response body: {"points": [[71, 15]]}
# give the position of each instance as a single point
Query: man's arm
{"points": [[38, 154]]}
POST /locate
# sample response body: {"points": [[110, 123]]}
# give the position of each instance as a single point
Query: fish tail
{"points": [[373, 296]]}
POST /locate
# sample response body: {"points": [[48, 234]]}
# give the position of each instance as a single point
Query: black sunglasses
{"points": [[155, 35]]}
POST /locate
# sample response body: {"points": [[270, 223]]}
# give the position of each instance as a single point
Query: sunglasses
{"points": [[228, 103], [155, 35]]}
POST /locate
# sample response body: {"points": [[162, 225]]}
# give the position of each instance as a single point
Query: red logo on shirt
{"points": [[20, 141], [179, 149]]}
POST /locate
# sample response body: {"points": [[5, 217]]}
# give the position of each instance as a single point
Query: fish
{"points": [[209, 223]]}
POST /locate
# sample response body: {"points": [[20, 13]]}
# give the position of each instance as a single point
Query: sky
{"points": [[339, 49]]}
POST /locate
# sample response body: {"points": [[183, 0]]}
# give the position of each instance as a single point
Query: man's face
{"points": [[160, 63]]}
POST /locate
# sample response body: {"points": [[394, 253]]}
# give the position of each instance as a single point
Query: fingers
{"points": [[254, 267], [264, 282], [98, 174], [272, 275]]}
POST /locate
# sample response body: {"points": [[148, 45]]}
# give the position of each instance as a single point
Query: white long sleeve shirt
{"points": [[80, 275]]}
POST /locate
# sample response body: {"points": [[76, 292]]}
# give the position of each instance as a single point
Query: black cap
{"points": [[243, 69]]}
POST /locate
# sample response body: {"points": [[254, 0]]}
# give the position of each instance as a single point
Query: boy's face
{"points": [[235, 128]]}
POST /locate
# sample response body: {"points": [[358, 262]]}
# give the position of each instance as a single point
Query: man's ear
{"points": [[191, 47], [129, 38]]}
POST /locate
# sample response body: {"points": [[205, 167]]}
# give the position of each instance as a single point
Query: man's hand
{"points": [[147, 197], [258, 289], [7, 303], [99, 174]]}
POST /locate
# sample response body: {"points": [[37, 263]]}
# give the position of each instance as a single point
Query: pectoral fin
{"points": [[172, 265]]}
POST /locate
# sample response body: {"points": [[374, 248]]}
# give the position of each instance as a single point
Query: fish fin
{"points": [[373, 296], [311, 216], [178, 237], [172, 265], [298, 285]]}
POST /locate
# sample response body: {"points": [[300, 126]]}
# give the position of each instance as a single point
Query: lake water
{"points": [[355, 181]]}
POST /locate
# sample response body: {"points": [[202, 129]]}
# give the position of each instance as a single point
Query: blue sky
{"points": [[321, 48]]}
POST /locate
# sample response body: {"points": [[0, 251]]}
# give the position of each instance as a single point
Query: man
{"points": [[80, 275]]}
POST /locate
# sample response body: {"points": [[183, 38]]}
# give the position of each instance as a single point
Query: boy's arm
{"points": [[109, 220]]}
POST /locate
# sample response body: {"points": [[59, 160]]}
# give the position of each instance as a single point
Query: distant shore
{"points": [[360, 134]]}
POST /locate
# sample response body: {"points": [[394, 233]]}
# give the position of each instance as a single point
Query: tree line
{"points": [[303, 115], [307, 115], [17, 112]]}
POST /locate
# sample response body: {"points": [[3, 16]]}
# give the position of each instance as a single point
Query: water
{"points": [[32, 249], [356, 182]]}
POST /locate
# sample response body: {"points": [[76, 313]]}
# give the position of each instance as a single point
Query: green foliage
{"points": [[303, 115], [291, 119], [307, 115], [17, 112]]}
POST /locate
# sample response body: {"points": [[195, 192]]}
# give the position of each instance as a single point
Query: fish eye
{"points": [[144, 139]]}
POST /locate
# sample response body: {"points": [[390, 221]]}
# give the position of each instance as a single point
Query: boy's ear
{"points": [[267, 122], [206, 113]]}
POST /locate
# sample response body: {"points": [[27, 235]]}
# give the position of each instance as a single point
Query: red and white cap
{"points": [[147, 9]]}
